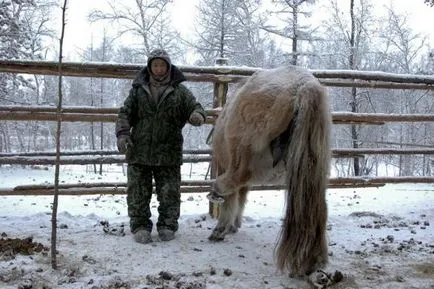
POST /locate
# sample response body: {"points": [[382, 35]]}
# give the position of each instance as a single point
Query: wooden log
{"points": [[52, 116], [65, 109], [112, 70], [373, 76], [90, 153], [85, 161], [114, 157], [198, 186], [65, 117], [381, 151], [14, 112], [375, 84], [338, 117], [188, 183], [122, 190], [214, 112], [381, 180], [348, 117]]}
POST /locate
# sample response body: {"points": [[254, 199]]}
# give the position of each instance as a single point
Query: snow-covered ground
{"points": [[378, 238]]}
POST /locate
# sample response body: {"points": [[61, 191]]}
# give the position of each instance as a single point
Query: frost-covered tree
{"points": [[232, 30], [22, 27], [252, 44], [97, 92], [14, 34], [147, 22], [404, 50], [216, 30], [14, 44], [293, 24], [348, 37]]}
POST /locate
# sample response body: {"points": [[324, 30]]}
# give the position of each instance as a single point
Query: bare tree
{"points": [[352, 65], [231, 30], [290, 13], [404, 45], [37, 22], [23, 25], [347, 41], [97, 89], [147, 22], [404, 50], [252, 44], [216, 30], [59, 126]]}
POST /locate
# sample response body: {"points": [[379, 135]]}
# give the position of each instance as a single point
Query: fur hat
{"points": [[161, 54]]}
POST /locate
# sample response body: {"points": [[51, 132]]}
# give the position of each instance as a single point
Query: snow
{"points": [[378, 238]]}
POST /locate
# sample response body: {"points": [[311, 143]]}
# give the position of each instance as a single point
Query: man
{"points": [[149, 131]]}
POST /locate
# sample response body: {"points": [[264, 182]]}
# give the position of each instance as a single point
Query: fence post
{"points": [[220, 92]]}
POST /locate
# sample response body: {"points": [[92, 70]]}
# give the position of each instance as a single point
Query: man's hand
{"points": [[196, 119], [124, 141]]}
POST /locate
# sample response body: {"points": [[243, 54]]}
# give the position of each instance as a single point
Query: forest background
{"points": [[364, 35]]}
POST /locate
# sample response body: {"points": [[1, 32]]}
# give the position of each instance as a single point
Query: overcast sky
{"points": [[79, 34]]}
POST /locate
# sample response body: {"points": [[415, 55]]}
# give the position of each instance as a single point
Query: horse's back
{"points": [[287, 77]]}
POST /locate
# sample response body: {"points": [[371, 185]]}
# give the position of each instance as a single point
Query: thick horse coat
{"points": [[275, 129]]}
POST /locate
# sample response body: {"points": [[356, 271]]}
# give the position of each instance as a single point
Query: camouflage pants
{"points": [[139, 194]]}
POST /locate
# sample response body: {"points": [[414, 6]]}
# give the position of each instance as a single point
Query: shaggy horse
{"points": [[275, 129]]}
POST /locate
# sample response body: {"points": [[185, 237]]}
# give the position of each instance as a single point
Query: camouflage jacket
{"points": [[156, 129]]}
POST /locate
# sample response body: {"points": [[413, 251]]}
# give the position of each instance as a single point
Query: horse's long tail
{"points": [[302, 245]]}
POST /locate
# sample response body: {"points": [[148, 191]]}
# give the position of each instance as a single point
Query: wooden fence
{"points": [[221, 77]]}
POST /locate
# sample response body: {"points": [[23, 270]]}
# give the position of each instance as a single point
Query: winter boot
{"points": [[166, 235], [142, 236]]}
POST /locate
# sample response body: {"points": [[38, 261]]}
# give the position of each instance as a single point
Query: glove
{"points": [[196, 119], [124, 141]]}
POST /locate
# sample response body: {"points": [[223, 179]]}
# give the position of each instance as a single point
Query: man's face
{"points": [[159, 67]]}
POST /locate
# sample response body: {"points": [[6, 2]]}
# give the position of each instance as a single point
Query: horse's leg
{"points": [[242, 197], [227, 215], [238, 172]]}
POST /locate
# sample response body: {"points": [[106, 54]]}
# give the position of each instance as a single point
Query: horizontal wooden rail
{"points": [[378, 118], [122, 190], [224, 74], [75, 160], [375, 84], [197, 186], [114, 157], [91, 153], [381, 151], [338, 117]]}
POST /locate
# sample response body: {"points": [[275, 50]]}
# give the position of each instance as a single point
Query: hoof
{"points": [[233, 229], [213, 197], [216, 237], [321, 279]]}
